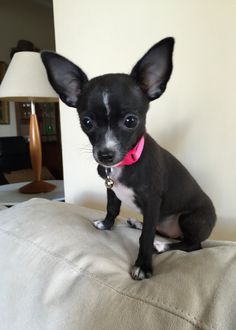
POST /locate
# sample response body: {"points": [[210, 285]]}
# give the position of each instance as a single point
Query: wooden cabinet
{"points": [[4, 106], [49, 125]]}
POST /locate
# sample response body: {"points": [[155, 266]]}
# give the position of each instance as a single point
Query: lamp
{"points": [[26, 81]]}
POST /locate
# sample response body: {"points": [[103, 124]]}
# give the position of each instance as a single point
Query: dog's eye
{"points": [[87, 123], [131, 121]]}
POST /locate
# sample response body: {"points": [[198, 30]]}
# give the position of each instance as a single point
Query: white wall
{"points": [[28, 20], [195, 118]]}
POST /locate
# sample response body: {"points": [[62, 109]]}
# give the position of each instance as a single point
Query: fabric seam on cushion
{"points": [[165, 307]]}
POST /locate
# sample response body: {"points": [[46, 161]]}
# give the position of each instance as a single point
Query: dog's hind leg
{"points": [[159, 246], [136, 224], [195, 227]]}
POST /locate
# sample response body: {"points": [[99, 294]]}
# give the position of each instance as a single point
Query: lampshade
{"points": [[26, 80]]}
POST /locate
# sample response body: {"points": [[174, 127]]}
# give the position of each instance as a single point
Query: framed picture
{"points": [[4, 113], [4, 105]]}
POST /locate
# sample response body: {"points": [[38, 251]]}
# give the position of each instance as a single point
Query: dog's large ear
{"points": [[153, 70], [65, 77]]}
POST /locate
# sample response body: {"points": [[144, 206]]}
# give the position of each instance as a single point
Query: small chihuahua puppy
{"points": [[112, 109]]}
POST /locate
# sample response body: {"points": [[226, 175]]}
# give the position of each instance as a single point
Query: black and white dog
{"points": [[112, 110]]}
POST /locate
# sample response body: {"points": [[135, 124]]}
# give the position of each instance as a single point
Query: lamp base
{"points": [[37, 187]]}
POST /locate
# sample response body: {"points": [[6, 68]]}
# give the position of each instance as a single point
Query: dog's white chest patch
{"points": [[124, 193]]}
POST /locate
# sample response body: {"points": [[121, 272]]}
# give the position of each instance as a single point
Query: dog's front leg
{"points": [[113, 210], [143, 265]]}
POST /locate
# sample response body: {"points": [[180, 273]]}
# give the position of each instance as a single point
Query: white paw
{"points": [[160, 246], [99, 224], [138, 274], [135, 223]]}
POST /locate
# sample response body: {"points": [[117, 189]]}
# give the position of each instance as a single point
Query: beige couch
{"points": [[58, 272]]}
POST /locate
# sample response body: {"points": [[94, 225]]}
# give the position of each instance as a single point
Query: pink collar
{"points": [[133, 155]]}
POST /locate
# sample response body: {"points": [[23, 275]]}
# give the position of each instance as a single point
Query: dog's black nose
{"points": [[106, 156]]}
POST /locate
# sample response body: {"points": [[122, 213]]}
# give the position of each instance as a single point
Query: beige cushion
{"points": [[59, 272]]}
